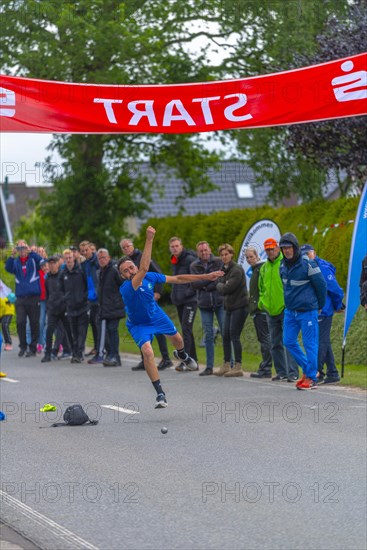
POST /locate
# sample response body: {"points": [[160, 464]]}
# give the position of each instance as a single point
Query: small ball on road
{"points": [[164, 430]]}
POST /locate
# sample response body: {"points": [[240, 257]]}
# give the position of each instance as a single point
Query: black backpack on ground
{"points": [[75, 415]]}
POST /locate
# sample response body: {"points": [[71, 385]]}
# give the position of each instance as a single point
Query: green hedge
{"points": [[232, 226]]}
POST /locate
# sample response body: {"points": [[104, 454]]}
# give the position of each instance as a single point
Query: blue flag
{"points": [[358, 251]]}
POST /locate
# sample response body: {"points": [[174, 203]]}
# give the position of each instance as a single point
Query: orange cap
{"points": [[270, 243]]}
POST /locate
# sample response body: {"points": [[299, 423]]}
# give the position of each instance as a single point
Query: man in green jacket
{"points": [[271, 300], [259, 317]]}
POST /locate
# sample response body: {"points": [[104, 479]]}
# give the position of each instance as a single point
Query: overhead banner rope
{"points": [[336, 89]]}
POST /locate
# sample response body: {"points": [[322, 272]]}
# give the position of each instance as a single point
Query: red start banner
{"points": [[336, 89]]}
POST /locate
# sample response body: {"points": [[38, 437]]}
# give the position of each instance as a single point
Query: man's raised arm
{"points": [[145, 258]]}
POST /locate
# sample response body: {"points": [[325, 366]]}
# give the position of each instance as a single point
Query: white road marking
{"points": [[120, 409], [7, 379], [56, 529]]}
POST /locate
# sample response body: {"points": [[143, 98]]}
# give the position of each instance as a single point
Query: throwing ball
{"points": [[164, 430]]}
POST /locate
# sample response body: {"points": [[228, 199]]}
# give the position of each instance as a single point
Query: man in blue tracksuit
{"points": [[25, 265], [334, 303], [304, 296]]}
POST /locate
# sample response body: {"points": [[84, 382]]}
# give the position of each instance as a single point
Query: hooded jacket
{"points": [[183, 294], [335, 294], [233, 287], [74, 286], [271, 294], [111, 305], [55, 299], [303, 283], [28, 283], [207, 294]]}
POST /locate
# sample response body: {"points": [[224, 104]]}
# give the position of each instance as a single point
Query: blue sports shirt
{"points": [[140, 304]]}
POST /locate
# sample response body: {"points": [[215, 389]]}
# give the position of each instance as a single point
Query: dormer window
{"points": [[244, 191]]}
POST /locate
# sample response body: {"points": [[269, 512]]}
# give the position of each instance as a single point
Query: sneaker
{"points": [[96, 359], [191, 364], [161, 401], [76, 359], [260, 375], [206, 372], [165, 364], [30, 354], [8, 347], [39, 348], [91, 352], [3, 374], [64, 355], [46, 358], [301, 380], [330, 380], [53, 357], [307, 384], [278, 378], [21, 353], [293, 378], [182, 367], [139, 366]]}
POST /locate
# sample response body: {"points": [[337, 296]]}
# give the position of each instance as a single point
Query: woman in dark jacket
{"points": [[236, 306]]}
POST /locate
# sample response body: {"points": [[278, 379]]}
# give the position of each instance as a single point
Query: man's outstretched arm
{"points": [[190, 278], [145, 258]]}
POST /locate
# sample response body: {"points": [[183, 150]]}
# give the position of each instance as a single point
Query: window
{"points": [[244, 191]]}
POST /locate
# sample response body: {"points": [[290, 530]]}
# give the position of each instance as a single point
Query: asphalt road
{"points": [[245, 464]]}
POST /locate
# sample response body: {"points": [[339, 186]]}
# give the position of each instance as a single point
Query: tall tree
{"points": [[271, 37], [105, 41]]}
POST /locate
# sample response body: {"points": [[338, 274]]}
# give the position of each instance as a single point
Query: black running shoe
{"points": [[139, 366]]}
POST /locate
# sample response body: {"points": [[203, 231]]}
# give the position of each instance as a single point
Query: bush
{"points": [[232, 226]]}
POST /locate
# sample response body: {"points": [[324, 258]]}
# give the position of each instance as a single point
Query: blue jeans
{"points": [[43, 323], [284, 363], [307, 323], [207, 320], [326, 355]]}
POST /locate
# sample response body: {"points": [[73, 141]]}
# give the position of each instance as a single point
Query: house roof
{"points": [[235, 188]]}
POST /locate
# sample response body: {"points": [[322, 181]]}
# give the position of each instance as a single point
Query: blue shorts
{"points": [[143, 333]]}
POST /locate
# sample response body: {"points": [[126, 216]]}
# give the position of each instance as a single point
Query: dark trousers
{"points": [[162, 343], [325, 355], [94, 322], [263, 337], [62, 338], [112, 338], [232, 327], [186, 314], [5, 324], [79, 328], [28, 307], [53, 321], [284, 363]]}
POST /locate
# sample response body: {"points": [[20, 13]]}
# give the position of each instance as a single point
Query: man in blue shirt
{"points": [[144, 316]]}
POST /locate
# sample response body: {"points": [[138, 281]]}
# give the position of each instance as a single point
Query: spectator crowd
{"points": [[291, 292]]}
